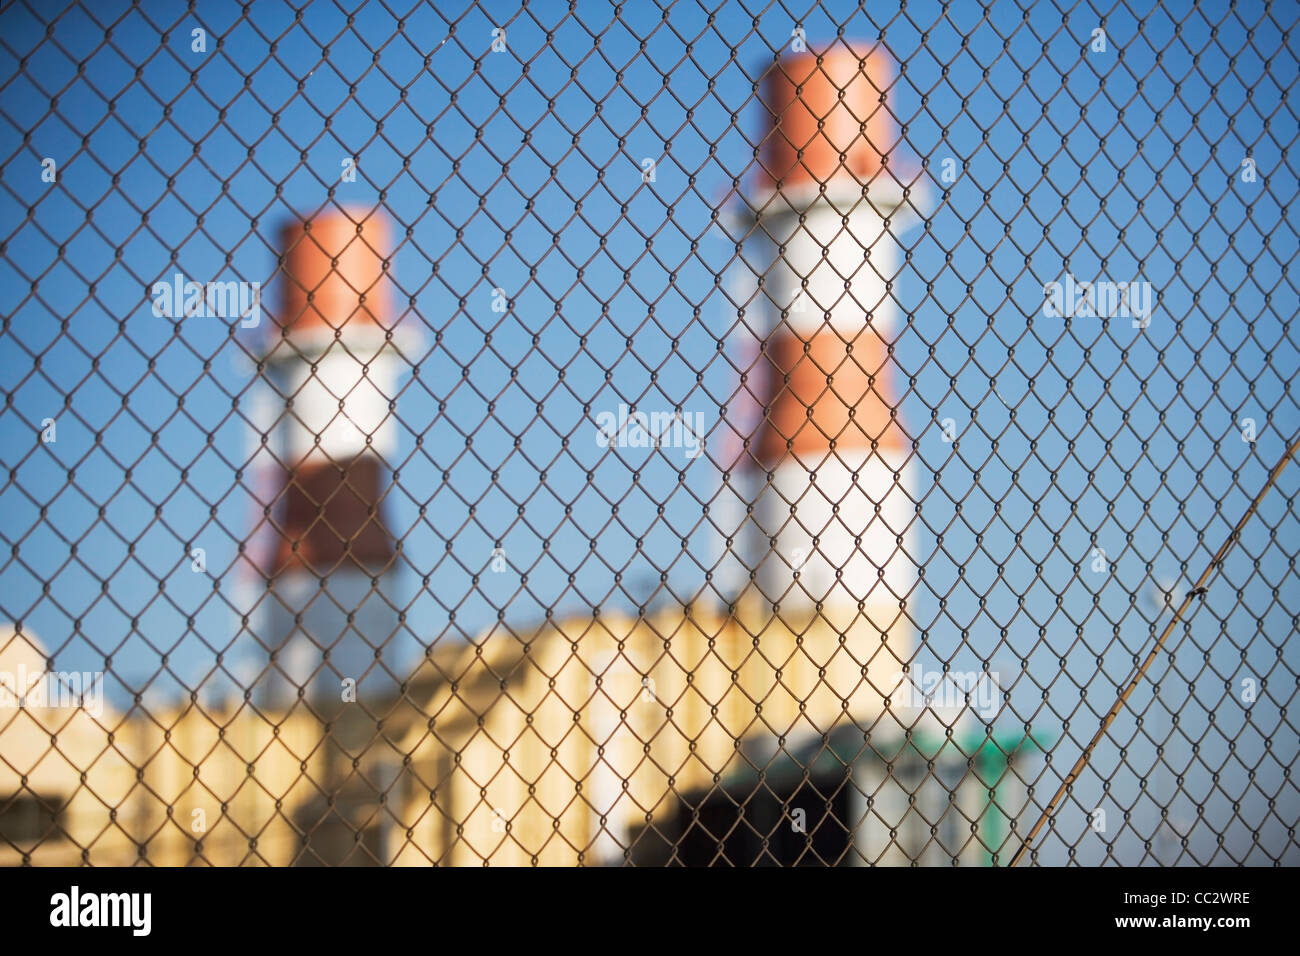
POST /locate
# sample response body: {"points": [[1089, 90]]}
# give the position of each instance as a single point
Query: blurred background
{"points": [[1090, 468]]}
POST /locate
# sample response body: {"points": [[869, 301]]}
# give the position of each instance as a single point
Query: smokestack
{"points": [[335, 364], [830, 470]]}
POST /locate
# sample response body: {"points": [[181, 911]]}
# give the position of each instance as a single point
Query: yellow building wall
{"points": [[532, 745], [550, 748]]}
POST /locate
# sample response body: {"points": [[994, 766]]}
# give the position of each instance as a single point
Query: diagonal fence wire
{"points": [[1190, 599]]}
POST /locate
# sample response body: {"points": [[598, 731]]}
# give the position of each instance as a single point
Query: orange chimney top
{"points": [[334, 279], [334, 271], [829, 114]]}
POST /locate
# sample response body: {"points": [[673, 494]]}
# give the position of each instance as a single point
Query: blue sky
{"points": [[522, 171]]}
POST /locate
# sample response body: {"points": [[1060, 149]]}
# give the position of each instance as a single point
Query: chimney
{"points": [[335, 364], [829, 464]]}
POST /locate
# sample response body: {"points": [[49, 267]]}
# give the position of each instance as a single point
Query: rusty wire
{"points": [[1042, 526]]}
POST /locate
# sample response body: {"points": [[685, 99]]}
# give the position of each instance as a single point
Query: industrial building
{"points": [[759, 732]]}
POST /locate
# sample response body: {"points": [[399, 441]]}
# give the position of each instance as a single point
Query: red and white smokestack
{"points": [[335, 363], [830, 462]]}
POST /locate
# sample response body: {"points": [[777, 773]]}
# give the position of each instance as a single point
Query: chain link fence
{"points": [[672, 433]]}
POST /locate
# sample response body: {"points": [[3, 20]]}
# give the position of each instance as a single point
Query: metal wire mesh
{"points": [[581, 647]]}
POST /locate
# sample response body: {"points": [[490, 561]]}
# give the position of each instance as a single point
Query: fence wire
{"points": [[671, 433]]}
